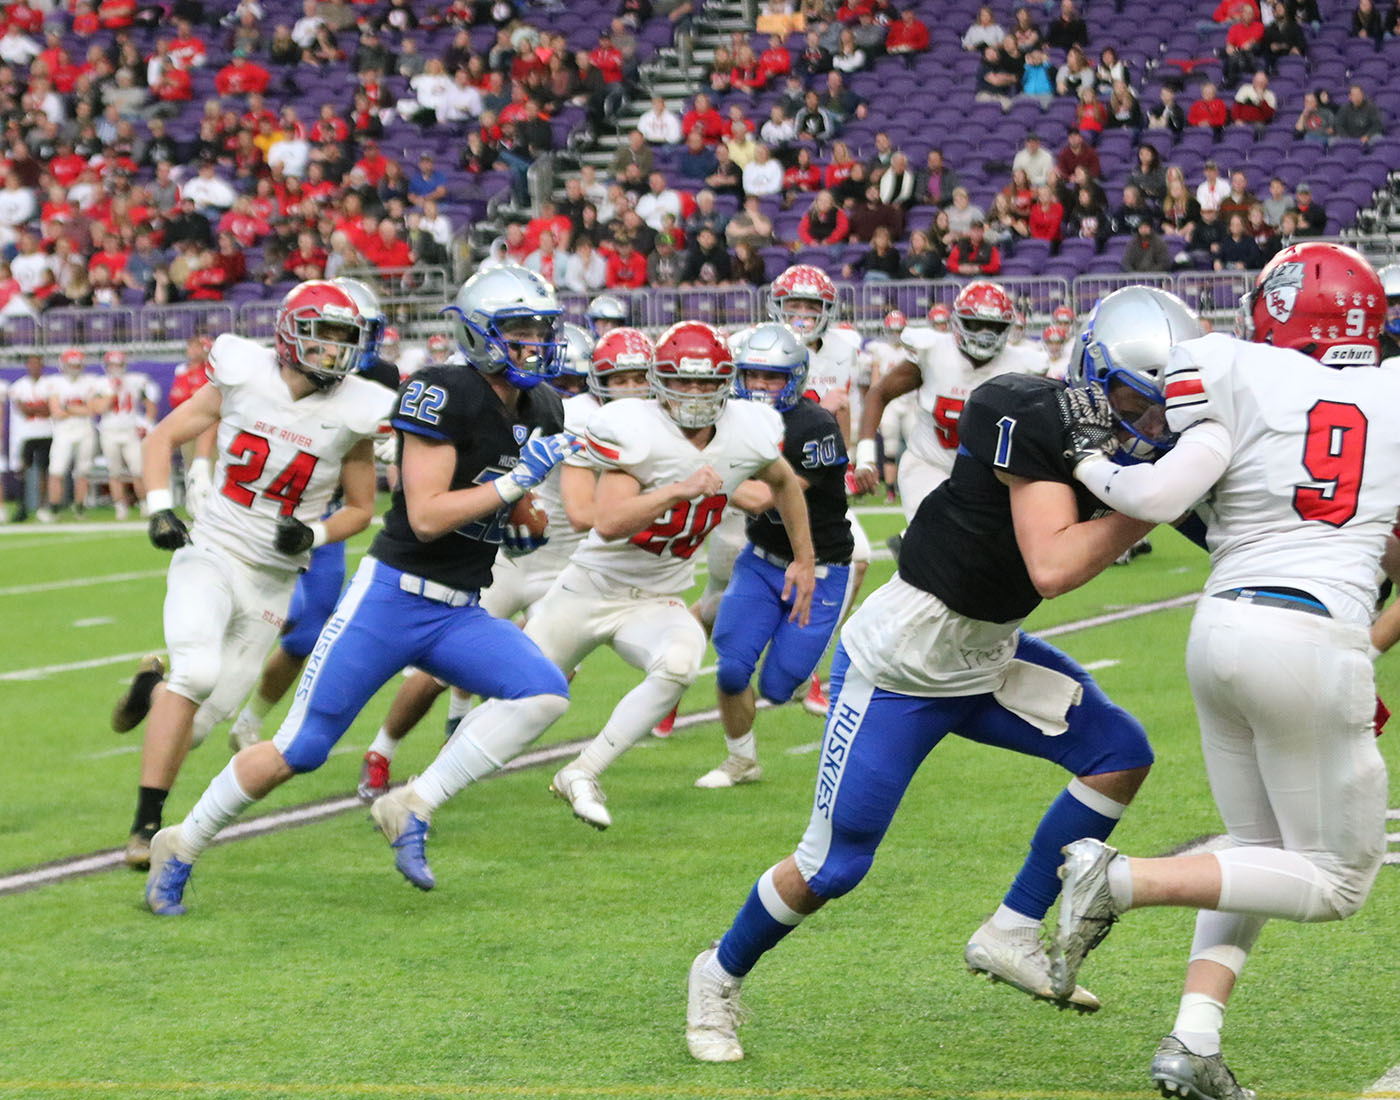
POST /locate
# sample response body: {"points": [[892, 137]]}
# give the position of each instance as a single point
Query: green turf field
{"points": [[551, 960]]}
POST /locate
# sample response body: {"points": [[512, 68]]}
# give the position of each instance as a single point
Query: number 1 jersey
{"points": [[277, 456]]}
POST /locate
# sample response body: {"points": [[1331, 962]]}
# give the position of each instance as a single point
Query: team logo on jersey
{"points": [[1280, 291], [520, 433]]}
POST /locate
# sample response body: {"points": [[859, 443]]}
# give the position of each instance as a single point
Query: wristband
{"points": [[865, 454], [508, 489], [159, 500], [318, 534]]}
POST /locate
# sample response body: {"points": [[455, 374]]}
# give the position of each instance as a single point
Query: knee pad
{"points": [[1349, 883], [195, 675], [841, 873], [309, 749], [777, 683], [678, 661], [732, 677]]}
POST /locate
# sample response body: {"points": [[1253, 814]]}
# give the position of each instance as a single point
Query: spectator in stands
{"points": [[241, 76], [962, 212], [1132, 212], [703, 115], [1087, 218], [705, 213], [1209, 110], [775, 62], [748, 77], [747, 265], [1311, 217], [707, 262], [1358, 117], [1315, 120], [1004, 225], [1277, 201], [727, 178], [907, 37], [1283, 37], [324, 51], [1067, 29], [880, 159], [779, 131], [1038, 77], [1207, 237], [719, 75], [697, 160], [1020, 193], [211, 195], [815, 59], [750, 224], [870, 213], [1149, 176], [1110, 70], [1034, 159], [1090, 115], [742, 146], [1027, 34], [936, 182], [763, 175], [1264, 234], [1046, 219], [427, 181], [1074, 74], [548, 261], [1167, 114], [840, 102], [984, 32], [627, 268], [814, 122], [1123, 110], [1147, 252], [824, 223], [1255, 102], [897, 184], [587, 272], [849, 57], [996, 80], [1366, 22], [304, 29], [1244, 46], [659, 199], [920, 259], [660, 125], [1077, 153], [665, 265], [1240, 198], [802, 176], [1212, 190], [973, 254], [879, 263], [371, 53], [1238, 250]]}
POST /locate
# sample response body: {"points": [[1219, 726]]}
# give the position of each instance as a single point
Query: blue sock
{"points": [[1078, 812], [763, 920]]}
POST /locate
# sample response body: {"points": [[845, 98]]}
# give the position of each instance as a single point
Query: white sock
{"points": [[459, 704], [249, 717], [718, 973], [632, 719], [384, 745], [222, 801], [1120, 883], [487, 738], [258, 707], [1198, 1022], [742, 746], [1008, 920]]}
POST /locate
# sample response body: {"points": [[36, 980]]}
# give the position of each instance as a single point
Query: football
{"points": [[527, 518]]}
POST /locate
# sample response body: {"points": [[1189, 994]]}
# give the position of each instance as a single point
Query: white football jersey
{"points": [[129, 392], [638, 438], [1056, 366], [563, 539], [948, 377], [277, 456], [29, 408], [833, 365], [1313, 481], [73, 392]]}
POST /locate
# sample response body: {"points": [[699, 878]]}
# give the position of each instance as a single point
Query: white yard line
{"points": [[41, 671], [1387, 1086], [96, 527], [81, 582]]}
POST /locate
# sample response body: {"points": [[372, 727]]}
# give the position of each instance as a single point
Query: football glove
{"points": [[386, 448], [292, 536], [540, 454], [518, 541], [1088, 423], [167, 531]]}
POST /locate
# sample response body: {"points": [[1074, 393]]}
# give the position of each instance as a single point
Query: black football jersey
{"points": [[382, 371], [455, 404], [813, 446], [962, 546]]}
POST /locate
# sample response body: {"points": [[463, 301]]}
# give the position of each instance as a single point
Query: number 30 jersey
{"points": [[636, 437], [948, 377], [277, 456], [1313, 481]]}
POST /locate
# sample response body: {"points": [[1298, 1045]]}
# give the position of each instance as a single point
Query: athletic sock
{"points": [[763, 920], [742, 746], [1007, 919], [632, 719], [1078, 812], [222, 801], [384, 745], [150, 805], [487, 738], [1198, 1023]]}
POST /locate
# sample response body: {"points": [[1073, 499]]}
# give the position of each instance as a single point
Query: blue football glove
{"points": [[540, 454]]}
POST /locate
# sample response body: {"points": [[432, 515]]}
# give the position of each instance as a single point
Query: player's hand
{"points": [[1089, 424], [540, 454], [834, 400], [386, 448], [292, 536], [167, 531], [865, 472], [799, 582], [199, 486], [704, 482]]}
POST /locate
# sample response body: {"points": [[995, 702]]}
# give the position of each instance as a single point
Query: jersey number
{"points": [[1005, 426], [423, 402], [946, 411], [286, 487], [682, 529], [1333, 453]]}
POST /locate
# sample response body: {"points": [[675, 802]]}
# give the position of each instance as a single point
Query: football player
{"points": [[771, 368], [1390, 336], [1299, 465], [938, 650], [897, 424], [940, 318], [126, 401], [1054, 341], [471, 446], [318, 587], [605, 313], [944, 370], [32, 425], [72, 399], [197, 456], [292, 424], [670, 467]]}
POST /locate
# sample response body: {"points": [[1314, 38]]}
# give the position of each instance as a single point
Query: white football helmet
{"points": [[507, 311], [1390, 280], [578, 354], [371, 316]]}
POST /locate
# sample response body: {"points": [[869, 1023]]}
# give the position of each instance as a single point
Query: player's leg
{"points": [[410, 705], [891, 438], [917, 479], [110, 445], [61, 460], [817, 701], [131, 459], [874, 743], [748, 618], [86, 451]]}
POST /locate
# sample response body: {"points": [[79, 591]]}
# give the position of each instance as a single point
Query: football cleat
{"points": [[667, 725], [1087, 910], [168, 876], [135, 702], [407, 833], [581, 791], [816, 701], [1137, 549], [138, 851], [712, 1014], [734, 770], [1178, 1072], [374, 777], [245, 732], [1015, 956]]}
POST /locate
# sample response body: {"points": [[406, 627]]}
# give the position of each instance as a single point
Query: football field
{"points": [[551, 960]]}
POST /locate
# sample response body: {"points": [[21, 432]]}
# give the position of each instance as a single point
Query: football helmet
{"points": [[578, 354], [371, 316], [70, 361], [691, 351], [504, 311], [319, 332], [1324, 300], [1054, 337], [620, 351], [939, 317], [605, 312], [1126, 341], [803, 283], [114, 362], [1064, 317], [389, 343], [772, 347], [894, 322], [1390, 280], [982, 316]]}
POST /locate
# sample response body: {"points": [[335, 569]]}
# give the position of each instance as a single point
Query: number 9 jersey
{"points": [[277, 456]]}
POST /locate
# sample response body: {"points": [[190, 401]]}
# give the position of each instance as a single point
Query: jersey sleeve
{"points": [[366, 406], [437, 403], [767, 433], [1015, 430], [231, 359], [1197, 381], [616, 436]]}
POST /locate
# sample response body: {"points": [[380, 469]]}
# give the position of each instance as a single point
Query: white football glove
{"points": [[386, 448]]}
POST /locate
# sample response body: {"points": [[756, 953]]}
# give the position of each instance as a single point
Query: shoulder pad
{"points": [[364, 404], [621, 433], [578, 411], [233, 359]]}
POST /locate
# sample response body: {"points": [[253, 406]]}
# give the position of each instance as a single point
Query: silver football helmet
{"points": [[607, 311], [508, 312], [1390, 279], [772, 347], [578, 356], [371, 315]]}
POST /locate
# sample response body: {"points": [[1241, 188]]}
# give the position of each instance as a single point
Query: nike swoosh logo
{"points": [[328, 427], [828, 603]]}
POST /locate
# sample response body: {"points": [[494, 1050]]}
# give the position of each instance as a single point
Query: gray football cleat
{"points": [[1179, 1073], [1016, 957], [584, 796], [734, 770], [712, 1014], [1087, 911]]}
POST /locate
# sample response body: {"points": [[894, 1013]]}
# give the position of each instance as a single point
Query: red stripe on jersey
{"points": [[606, 452], [813, 394], [1185, 388]]}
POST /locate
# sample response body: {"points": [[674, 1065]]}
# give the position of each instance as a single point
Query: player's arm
{"points": [[56, 409], [357, 493], [1385, 631], [838, 403], [754, 496], [621, 509], [577, 486], [100, 402], [800, 579], [196, 417], [434, 507], [1161, 491], [1061, 552], [903, 379]]}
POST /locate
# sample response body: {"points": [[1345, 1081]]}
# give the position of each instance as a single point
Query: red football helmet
{"points": [[808, 284], [1064, 317], [1324, 300], [114, 361], [939, 317], [895, 321], [692, 351], [439, 347], [983, 314], [318, 332], [70, 360], [390, 339], [1054, 337], [619, 351]]}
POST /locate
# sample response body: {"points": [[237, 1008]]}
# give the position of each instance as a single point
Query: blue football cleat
{"points": [[166, 881], [407, 833]]}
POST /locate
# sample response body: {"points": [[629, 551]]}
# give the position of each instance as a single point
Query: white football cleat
{"points": [[245, 732], [712, 1014], [1015, 956], [1087, 910], [581, 791], [734, 770]]}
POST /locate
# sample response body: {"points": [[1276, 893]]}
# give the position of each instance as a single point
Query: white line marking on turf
{"points": [[803, 750], [120, 750], [111, 527], [1118, 616], [101, 620], [1387, 1085], [1094, 666], [73, 666], [81, 582]]}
